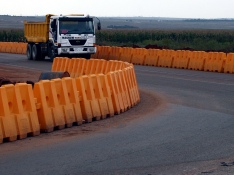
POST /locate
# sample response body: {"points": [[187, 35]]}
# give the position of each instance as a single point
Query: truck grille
{"points": [[77, 42]]}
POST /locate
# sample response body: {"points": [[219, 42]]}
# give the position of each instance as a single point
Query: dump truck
{"points": [[61, 36]]}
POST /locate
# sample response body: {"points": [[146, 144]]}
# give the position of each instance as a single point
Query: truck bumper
{"points": [[75, 50]]}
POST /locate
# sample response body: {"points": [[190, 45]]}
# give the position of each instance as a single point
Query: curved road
{"points": [[183, 125]]}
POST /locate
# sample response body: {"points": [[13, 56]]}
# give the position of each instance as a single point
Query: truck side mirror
{"points": [[99, 26]]}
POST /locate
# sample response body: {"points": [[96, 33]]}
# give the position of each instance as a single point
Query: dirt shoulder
{"points": [[18, 74]]}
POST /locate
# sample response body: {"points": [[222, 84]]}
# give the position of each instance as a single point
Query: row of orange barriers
{"points": [[183, 59], [59, 103], [13, 47], [77, 67]]}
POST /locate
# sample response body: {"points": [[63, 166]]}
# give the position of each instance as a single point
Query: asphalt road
{"points": [[189, 131]]}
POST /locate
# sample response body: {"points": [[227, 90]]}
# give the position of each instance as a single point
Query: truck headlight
{"points": [[65, 50], [91, 49]]}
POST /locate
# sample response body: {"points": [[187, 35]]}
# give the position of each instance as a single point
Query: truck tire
{"points": [[36, 52], [29, 52], [52, 54]]}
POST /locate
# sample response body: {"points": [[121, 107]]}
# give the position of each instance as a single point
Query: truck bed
{"points": [[36, 31]]}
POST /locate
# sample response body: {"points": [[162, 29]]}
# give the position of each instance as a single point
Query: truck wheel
{"points": [[29, 52], [52, 55], [35, 53]]}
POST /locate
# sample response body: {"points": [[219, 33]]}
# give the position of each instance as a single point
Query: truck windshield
{"points": [[76, 26]]}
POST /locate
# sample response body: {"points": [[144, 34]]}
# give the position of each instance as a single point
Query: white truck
{"points": [[61, 36]]}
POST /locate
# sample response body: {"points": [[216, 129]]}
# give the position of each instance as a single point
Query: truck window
{"points": [[76, 27]]}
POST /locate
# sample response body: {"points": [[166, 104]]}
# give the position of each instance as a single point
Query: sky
{"points": [[208, 9]]}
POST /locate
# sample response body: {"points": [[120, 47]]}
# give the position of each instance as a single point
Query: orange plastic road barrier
{"points": [[209, 61], [134, 85], [76, 67], [90, 91], [71, 67], [170, 58], [120, 65], [113, 65], [98, 52], [60, 64], [16, 109], [109, 67], [29, 107], [126, 65], [130, 86], [98, 93], [133, 76], [200, 58], [64, 102], [106, 92], [161, 57], [192, 60], [181, 59], [8, 47], [121, 94], [14, 46], [177, 59], [215, 61], [95, 63], [124, 89], [104, 53], [138, 56], [24, 48], [74, 98], [90, 66], [166, 58], [219, 61], [89, 105], [19, 48], [115, 53], [2, 47], [126, 54], [229, 63], [100, 66], [197, 60], [184, 59], [115, 93], [151, 58], [8, 126], [50, 113]]}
